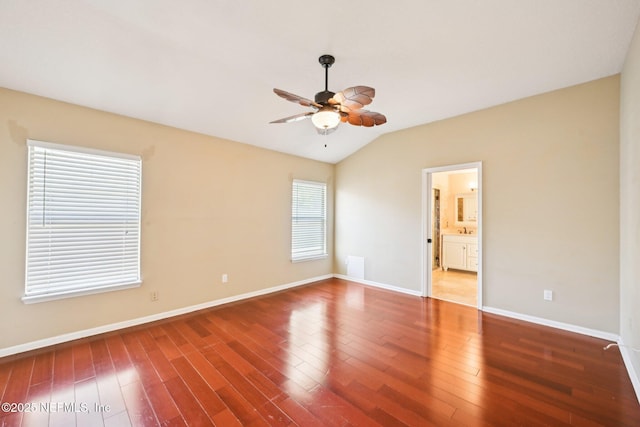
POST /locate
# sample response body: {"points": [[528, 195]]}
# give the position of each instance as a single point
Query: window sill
{"points": [[309, 258], [32, 299]]}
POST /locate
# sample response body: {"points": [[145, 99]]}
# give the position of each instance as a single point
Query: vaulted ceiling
{"points": [[210, 66]]}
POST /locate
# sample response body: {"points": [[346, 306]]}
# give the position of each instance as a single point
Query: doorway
{"points": [[452, 225]]}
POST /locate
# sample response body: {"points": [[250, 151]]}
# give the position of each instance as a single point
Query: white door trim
{"points": [[427, 255]]}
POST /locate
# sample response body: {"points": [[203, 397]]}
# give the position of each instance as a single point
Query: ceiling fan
{"points": [[329, 108]]}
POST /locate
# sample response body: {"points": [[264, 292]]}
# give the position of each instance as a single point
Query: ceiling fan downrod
{"points": [[323, 97]]}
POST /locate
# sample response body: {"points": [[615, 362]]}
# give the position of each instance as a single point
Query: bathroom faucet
{"points": [[465, 230]]}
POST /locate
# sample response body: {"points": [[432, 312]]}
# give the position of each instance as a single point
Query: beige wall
{"points": [[210, 207], [630, 201], [550, 200]]}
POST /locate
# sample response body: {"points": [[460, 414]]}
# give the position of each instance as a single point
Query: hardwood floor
{"points": [[333, 353]]}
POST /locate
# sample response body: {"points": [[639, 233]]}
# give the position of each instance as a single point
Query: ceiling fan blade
{"points": [[364, 118], [295, 118], [354, 98], [295, 98]]}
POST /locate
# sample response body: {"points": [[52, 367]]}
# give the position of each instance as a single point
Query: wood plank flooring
{"points": [[332, 353]]}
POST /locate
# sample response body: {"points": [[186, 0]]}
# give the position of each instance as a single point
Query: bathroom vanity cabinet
{"points": [[460, 251]]}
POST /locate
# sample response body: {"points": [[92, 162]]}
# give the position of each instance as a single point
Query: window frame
{"points": [[321, 253], [40, 284]]}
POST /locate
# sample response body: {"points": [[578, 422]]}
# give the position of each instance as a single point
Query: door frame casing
{"points": [[427, 251]]}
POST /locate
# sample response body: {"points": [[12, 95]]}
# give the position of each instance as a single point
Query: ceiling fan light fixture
{"points": [[326, 118]]}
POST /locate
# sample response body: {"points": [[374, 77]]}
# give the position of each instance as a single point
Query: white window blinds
{"points": [[308, 220], [83, 221]]}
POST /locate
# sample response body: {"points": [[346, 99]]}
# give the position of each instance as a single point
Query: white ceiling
{"points": [[210, 65]]}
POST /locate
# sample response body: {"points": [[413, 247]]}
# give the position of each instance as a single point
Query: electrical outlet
{"points": [[548, 295], [225, 278], [154, 295]]}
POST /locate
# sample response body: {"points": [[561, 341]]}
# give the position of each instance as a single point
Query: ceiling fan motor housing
{"points": [[323, 97]]}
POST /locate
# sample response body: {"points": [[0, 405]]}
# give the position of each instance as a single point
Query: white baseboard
{"points": [[33, 345], [378, 285], [627, 356], [552, 323]]}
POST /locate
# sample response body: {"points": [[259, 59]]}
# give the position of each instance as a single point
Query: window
{"points": [[83, 221], [308, 220]]}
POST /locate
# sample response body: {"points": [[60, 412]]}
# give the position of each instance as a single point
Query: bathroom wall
{"points": [[457, 183]]}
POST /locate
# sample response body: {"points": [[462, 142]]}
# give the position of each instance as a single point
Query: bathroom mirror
{"points": [[466, 209]]}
